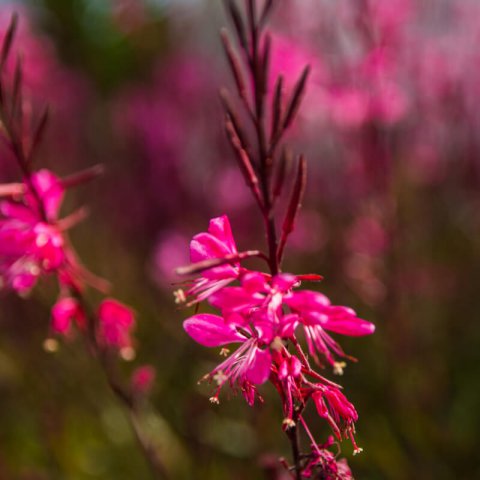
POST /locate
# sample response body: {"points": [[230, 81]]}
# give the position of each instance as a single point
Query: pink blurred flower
{"points": [[142, 379], [66, 311], [323, 462], [170, 251], [31, 243], [116, 322]]}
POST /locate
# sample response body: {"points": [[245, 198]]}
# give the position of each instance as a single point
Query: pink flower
{"points": [[332, 405], [316, 314], [30, 241], [64, 312], [217, 242], [142, 379], [323, 464], [248, 366], [260, 302], [116, 321], [33, 240]]}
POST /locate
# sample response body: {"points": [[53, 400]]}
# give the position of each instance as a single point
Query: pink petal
{"points": [[63, 312], [234, 299], [112, 311], [18, 212], [211, 330], [288, 324], [307, 300], [205, 246], [50, 190], [284, 281], [349, 325], [116, 321], [220, 228], [259, 370], [254, 282], [295, 366]]}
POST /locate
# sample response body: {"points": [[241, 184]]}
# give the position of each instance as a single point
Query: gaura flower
{"points": [[317, 315], [248, 366], [31, 243], [263, 301], [333, 406], [66, 311], [33, 240], [115, 323], [216, 243]]}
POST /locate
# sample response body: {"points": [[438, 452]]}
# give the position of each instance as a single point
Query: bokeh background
{"points": [[391, 129]]}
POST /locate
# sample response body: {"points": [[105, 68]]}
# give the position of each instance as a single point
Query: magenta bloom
{"points": [[261, 303], [66, 311], [341, 415], [30, 241], [248, 366], [323, 464], [217, 242], [116, 321], [261, 315], [33, 240], [316, 314]]}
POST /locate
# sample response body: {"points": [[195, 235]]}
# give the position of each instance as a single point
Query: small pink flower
{"points": [[332, 405], [323, 464], [33, 240], [29, 244], [142, 379], [116, 321], [248, 366], [316, 314], [217, 242], [64, 312]]}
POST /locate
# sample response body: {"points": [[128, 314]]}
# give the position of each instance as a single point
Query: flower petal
{"points": [[307, 300], [259, 370], [220, 228], [211, 330]]}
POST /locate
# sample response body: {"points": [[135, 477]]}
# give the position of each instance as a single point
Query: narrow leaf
{"points": [[277, 107], [267, 10], [244, 162], [237, 23], [234, 64], [234, 118], [296, 98], [280, 173], [8, 40], [39, 131], [294, 204], [265, 62]]}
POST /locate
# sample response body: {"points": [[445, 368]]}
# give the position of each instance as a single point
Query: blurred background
{"points": [[391, 129]]}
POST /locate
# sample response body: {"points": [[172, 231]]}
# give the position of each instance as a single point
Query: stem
{"points": [[265, 160], [122, 394], [258, 74], [292, 434]]}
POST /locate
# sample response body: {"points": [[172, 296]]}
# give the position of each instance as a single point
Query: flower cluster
{"points": [[33, 244], [32, 241], [263, 314]]}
